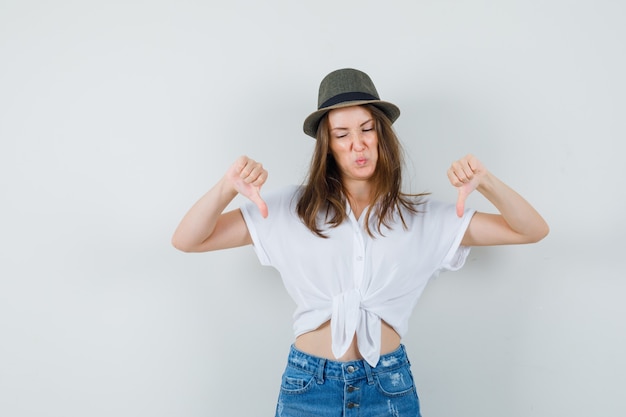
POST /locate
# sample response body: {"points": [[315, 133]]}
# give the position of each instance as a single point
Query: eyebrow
{"points": [[345, 128]]}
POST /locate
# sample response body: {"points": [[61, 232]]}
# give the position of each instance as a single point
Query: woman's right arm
{"points": [[206, 227]]}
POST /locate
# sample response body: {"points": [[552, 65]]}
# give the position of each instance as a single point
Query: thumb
{"points": [[460, 201], [256, 198]]}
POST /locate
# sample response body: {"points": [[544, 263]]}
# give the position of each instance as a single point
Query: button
{"points": [[359, 258], [352, 389], [352, 405], [350, 369]]}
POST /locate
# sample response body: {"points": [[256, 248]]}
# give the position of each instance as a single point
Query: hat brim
{"points": [[312, 122]]}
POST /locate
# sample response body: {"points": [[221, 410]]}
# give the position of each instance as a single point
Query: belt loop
{"points": [[320, 371], [368, 372], [405, 354]]}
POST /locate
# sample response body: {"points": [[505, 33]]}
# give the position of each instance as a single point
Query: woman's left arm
{"points": [[518, 221]]}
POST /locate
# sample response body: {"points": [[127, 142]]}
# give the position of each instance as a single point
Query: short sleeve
{"points": [[449, 229], [252, 217], [265, 231]]}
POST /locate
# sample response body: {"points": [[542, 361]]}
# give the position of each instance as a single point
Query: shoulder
{"points": [[284, 196], [281, 203], [435, 207], [433, 212], [426, 207]]}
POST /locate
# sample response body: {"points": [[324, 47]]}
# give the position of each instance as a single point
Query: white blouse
{"points": [[351, 278]]}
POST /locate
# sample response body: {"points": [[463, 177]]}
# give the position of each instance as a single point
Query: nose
{"points": [[358, 144]]}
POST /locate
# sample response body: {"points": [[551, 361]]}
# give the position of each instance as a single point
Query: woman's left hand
{"points": [[465, 174], [517, 222]]}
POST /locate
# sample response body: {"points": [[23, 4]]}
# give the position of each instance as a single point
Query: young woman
{"points": [[353, 250]]}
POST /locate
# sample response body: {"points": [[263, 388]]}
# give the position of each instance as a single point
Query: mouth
{"points": [[361, 161]]}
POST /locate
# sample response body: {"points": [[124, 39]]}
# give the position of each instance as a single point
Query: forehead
{"points": [[348, 116]]}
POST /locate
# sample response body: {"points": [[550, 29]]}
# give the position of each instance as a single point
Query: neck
{"points": [[359, 196]]}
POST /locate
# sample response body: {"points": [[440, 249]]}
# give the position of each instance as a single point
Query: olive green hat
{"points": [[343, 88]]}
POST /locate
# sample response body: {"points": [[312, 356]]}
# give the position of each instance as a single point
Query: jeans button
{"points": [[352, 405], [350, 369]]}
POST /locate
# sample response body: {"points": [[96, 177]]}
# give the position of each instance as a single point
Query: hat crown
{"points": [[343, 88], [346, 84]]}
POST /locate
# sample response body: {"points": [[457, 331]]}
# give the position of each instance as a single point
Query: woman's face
{"points": [[353, 142]]}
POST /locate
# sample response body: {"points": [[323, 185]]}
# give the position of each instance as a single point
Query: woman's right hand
{"points": [[206, 226], [247, 176]]}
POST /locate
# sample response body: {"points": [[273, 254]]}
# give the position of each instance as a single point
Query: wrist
{"points": [[487, 183], [227, 188]]}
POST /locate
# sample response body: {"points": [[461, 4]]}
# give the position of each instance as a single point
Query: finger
{"points": [[457, 177], [463, 170], [452, 177], [472, 162], [246, 168], [260, 180], [252, 172], [240, 164], [257, 176]]}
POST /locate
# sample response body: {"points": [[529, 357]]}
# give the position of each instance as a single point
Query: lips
{"points": [[361, 161]]}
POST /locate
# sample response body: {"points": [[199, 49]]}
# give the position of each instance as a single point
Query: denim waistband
{"points": [[346, 371]]}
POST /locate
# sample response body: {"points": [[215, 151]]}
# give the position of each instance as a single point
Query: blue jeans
{"points": [[317, 387]]}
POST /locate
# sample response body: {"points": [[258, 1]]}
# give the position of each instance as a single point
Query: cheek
{"points": [[374, 146], [337, 149]]}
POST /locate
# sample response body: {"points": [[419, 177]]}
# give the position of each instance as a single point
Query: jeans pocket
{"points": [[296, 381], [396, 383]]}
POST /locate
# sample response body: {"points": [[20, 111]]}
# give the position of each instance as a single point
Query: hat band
{"points": [[343, 97]]}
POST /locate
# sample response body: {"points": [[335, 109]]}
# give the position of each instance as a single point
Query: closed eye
{"points": [[367, 126]]}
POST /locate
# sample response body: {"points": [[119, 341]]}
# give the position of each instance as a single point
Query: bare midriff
{"points": [[319, 341]]}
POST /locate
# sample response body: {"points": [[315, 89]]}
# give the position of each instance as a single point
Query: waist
{"points": [[349, 370], [319, 343]]}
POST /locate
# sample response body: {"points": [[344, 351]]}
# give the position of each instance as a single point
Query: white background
{"points": [[116, 116]]}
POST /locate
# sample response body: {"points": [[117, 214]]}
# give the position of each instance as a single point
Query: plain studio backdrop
{"points": [[116, 116]]}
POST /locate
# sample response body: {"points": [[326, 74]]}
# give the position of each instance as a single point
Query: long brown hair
{"points": [[324, 193]]}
